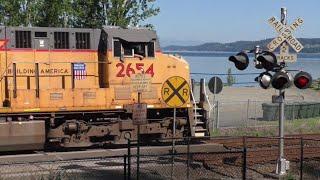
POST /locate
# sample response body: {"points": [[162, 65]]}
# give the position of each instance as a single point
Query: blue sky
{"points": [[196, 21]]}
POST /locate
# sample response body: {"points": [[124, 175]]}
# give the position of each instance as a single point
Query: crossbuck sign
{"points": [[285, 35]]}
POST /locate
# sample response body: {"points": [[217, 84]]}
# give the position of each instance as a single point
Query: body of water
{"points": [[217, 63]]}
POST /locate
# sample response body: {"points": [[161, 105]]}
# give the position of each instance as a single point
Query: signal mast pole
{"points": [[281, 161]]}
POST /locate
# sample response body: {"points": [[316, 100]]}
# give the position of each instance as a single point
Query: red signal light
{"points": [[302, 80]]}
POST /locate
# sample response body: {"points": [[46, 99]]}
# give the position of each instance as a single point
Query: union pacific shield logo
{"points": [[79, 71]]}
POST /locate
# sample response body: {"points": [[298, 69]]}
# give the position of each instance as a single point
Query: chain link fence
{"points": [[97, 168], [242, 114], [189, 158], [240, 158]]}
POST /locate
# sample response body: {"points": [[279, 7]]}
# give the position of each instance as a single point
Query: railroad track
{"points": [[103, 153], [257, 142], [260, 156]]}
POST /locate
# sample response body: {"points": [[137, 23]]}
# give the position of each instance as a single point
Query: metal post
{"points": [[174, 127], [125, 167], [244, 165], [217, 116], [255, 113], [129, 159], [281, 160], [138, 141], [192, 89], [301, 158], [248, 105], [173, 140], [202, 94], [188, 159]]}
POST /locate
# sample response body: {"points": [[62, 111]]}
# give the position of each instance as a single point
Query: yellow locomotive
{"points": [[70, 87]]}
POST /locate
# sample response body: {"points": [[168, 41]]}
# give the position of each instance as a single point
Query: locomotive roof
{"points": [[131, 34]]}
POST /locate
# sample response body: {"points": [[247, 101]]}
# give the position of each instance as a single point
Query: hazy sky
{"points": [[194, 21]]}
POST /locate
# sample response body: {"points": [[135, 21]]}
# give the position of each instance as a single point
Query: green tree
{"points": [[34, 12], [230, 79], [11, 15], [76, 13], [90, 13], [130, 12], [55, 13]]}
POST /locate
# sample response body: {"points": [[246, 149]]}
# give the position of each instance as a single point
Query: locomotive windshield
{"points": [[130, 49]]}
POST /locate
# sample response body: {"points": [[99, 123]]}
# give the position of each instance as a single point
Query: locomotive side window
{"points": [[82, 40], [23, 39], [61, 40], [116, 49], [151, 49]]}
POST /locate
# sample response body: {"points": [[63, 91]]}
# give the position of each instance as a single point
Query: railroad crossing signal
{"points": [[285, 35], [175, 91]]}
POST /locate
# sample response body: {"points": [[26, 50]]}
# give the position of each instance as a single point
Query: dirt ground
{"points": [[230, 94], [242, 106]]}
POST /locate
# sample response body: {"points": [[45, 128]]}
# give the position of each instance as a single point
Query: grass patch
{"points": [[316, 85], [270, 128]]}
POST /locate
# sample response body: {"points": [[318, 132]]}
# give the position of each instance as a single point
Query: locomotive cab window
{"points": [[61, 40], [133, 49], [23, 39]]}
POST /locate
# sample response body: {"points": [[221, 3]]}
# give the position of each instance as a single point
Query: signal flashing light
{"points": [[281, 80], [268, 60], [241, 60], [303, 80], [264, 80]]}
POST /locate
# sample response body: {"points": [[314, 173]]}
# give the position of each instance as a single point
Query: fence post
{"points": [[129, 159], [244, 165], [188, 158], [248, 106], [172, 158], [301, 158], [217, 115], [125, 167]]}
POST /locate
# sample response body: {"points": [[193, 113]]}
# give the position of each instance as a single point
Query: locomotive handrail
{"points": [[194, 102], [2, 75], [207, 99]]}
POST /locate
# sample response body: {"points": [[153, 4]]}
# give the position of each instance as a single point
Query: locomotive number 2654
{"points": [[127, 70]]}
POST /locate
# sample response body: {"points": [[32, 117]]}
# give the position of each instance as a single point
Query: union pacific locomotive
{"points": [[69, 87]]}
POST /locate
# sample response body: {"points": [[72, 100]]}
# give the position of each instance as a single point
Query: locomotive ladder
{"points": [[201, 122]]}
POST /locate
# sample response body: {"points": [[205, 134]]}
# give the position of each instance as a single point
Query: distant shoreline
{"points": [[311, 45], [225, 52]]}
